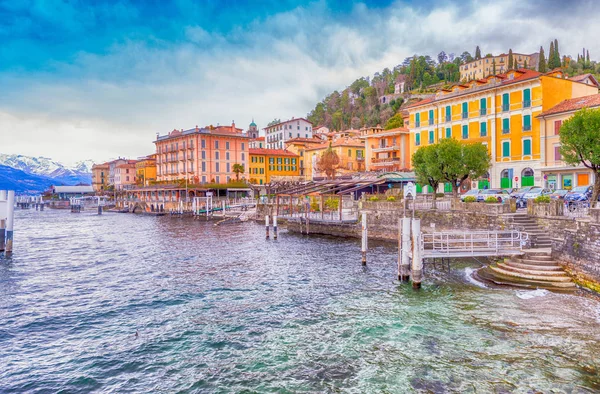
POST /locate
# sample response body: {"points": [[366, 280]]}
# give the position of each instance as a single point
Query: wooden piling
{"points": [[417, 260], [2, 234], [275, 227], [267, 225], [10, 218], [364, 245]]}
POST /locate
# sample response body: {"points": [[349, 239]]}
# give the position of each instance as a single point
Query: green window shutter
{"points": [[418, 139], [526, 147], [430, 114], [506, 149], [465, 108], [448, 132], [465, 132], [349, 152], [527, 98], [526, 122], [484, 129], [417, 119], [505, 124], [448, 113], [483, 103], [505, 102], [431, 136]]}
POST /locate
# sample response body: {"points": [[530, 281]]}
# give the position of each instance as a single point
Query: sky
{"points": [[99, 79]]}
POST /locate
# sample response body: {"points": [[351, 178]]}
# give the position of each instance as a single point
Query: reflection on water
{"points": [[219, 309]]}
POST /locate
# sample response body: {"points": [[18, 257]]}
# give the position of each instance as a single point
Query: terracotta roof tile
{"points": [[574, 104], [271, 152]]}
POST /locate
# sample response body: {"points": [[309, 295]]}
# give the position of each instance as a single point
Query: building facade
{"points": [[100, 177], [386, 150], [298, 146], [557, 174], [201, 155], [500, 112], [268, 163], [351, 152], [276, 135], [484, 67], [145, 169], [125, 174]]}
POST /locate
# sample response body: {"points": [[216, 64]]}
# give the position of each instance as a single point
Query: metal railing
{"points": [[442, 205], [472, 243]]}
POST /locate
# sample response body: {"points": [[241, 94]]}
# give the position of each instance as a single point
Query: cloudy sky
{"points": [[98, 79]]}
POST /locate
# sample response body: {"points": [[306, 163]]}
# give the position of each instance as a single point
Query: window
{"points": [[203, 178], [505, 102], [290, 133], [448, 132], [227, 145], [527, 123], [243, 146], [465, 110], [243, 157], [483, 129], [218, 179], [228, 167], [216, 144], [417, 139], [527, 147], [278, 168], [279, 160], [293, 160], [483, 106], [505, 148], [217, 167], [417, 120], [557, 155], [526, 98], [216, 155], [349, 152], [431, 137], [286, 161], [557, 124], [465, 132], [127, 179], [226, 155], [505, 126], [271, 160], [430, 117]]}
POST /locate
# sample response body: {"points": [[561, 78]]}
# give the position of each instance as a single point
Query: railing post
{"points": [[364, 239], [405, 263]]}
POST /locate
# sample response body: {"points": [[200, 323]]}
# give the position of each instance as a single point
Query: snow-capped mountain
{"points": [[81, 172]]}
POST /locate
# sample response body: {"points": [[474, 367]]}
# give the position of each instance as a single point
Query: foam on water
{"points": [[469, 277], [529, 294]]}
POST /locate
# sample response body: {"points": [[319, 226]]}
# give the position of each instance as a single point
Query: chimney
{"points": [[196, 128]]}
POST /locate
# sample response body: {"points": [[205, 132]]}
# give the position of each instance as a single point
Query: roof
{"points": [[500, 80], [73, 189], [127, 163], [583, 77], [258, 139], [339, 142], [287, 121], [573, 105], [271, 152], [226, 131], [314, 140]]}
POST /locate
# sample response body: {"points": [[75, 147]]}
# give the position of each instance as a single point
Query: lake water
{"points": [[219, 309]]}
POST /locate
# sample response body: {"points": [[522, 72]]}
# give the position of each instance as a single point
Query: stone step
{"points": [[531, 270], [539, 278], [534, 267], [542, 244], [537, 256], [547, 263], [500, 279]]}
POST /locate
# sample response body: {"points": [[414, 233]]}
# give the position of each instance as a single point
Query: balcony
{"points": [[527, 104], [448, 118], [386, 148], [527, 128], [385, 161], [430, 122], [483, 111], [505, 107], [417, 124], [465, 115], [505, 131]]}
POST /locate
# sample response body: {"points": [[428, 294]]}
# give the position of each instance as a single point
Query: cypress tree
{"points": [[587, 59], [556, 53], [510, 60], [494, 67], [542, 61], [525, 64], [477, 53], [551, 65]]}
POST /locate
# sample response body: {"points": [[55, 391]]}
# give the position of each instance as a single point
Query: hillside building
{"points": [[386, 150], [276, 135], [484, 67]]}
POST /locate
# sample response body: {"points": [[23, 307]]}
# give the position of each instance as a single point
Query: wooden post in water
{"points": [[405, 262], [267, 225], [417, 261], [2, 234], [99, 207], [364, 245], [223, 207], [10, 218], [275, 227]]}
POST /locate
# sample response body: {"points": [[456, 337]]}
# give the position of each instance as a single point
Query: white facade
{"points": [[276, 135]]}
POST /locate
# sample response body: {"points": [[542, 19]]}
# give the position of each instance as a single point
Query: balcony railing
{"points": [[418, 124], [384, 159], [526, 103], [483, 111], [465, 115], [505, 107], [448, 118], [527, 128], [386, 148], [505, 131]]}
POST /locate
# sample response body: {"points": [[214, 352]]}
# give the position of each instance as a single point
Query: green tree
{"points": [[238, 169], [525, 64], [394, 122], [542, 61], [580, 143], [493, 66], [273, 122], [556, 53], [460, 162], [511, 61], [427, 168], [551, 64], [477, 53]]}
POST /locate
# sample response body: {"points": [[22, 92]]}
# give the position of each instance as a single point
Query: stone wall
{"points": [[553, 208]]}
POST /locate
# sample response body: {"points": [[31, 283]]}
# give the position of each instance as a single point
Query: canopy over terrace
{"points": [[165, 193]]}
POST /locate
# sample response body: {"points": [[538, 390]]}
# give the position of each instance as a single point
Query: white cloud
{"points": [[113, 104]]}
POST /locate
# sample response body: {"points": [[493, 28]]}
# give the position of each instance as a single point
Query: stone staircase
{"points": [[533, 270], [539, 239]]}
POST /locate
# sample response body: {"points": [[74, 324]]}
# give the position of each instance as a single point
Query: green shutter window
{"points": [[505, 125], [484, 129], [527, 98], [526, 147], [431, 136], [417, 139], [483, 106], [349, 152], [448, 132], [431, 116], [448, 113], [527, 123], [417, 119], [465, 110], [506, 149], [465, 132], [505, 102]]}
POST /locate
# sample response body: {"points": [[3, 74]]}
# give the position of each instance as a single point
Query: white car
{"points": [[536, 191], [472, 193]]}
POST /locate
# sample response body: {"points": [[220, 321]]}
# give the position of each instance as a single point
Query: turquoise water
{"points": [[219, 309]]}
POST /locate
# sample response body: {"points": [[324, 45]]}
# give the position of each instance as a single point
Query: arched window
{"points": [[505, 174], [527, 172]]}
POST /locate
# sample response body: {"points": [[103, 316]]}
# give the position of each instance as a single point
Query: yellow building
{"points": [[500, 112], [100, 177], [556, 174], [351, 152], [268, 163], [298, 146], [145, 170], [481, 68], [386, 150]]}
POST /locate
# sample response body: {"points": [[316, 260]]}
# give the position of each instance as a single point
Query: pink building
{"points": [[201, 155], [125, 174]]}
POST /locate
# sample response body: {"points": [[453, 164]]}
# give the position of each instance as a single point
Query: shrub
{"points": [[439, 194], [391, 198], [470, 199], [542, 199], [374, 198], [314, 205], [491, 200], [332, 204]]}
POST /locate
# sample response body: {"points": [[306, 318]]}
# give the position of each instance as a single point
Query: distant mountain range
{"points": [[36, 174]]}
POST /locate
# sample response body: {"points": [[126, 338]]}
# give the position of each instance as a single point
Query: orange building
{"points": [[267, 163], [145, 170], [351, 152], [125, 174], [298, 146], [201, 155], [100, 177], [386, 150]]}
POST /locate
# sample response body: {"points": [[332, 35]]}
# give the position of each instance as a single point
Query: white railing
{"points": [[442, 205], [577, 209], [472, 243]]}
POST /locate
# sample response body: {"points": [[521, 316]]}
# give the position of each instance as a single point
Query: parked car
{"points": [[472, 192], [500, 194], [535, 191], [578, 194], [558, 194], [519, 193]]}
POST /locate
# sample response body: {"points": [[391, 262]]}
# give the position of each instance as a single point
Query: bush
{"points": [[470, 199], [314, 205], [542, 199], [491, 200], [374, 198], [332, 204], [391, 198], [439, 194]]}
